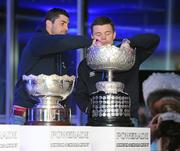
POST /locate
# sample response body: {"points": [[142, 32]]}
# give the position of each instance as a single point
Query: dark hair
{"points": [[156, 95], [54, 13], [102, 21]]}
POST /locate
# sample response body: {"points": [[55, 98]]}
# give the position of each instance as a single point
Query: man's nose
{"points": [[103, 36], [66, 27]]}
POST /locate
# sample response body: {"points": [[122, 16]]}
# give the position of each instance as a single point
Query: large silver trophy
{"points": [[110, 104], [49, 91]]}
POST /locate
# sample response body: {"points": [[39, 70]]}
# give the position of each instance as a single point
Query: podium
{"points": [[73, 138], [120, 139]]}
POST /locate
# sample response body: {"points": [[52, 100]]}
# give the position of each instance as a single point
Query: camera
{"points": [[170, 128], [167, 109], [169, 125], [161, 92]]}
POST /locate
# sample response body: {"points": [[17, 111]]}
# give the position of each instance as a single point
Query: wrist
{"points": [[126, 41], [19, 111]]}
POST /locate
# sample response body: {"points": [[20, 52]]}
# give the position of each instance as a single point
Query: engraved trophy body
{"points": [[49, 91], [110, 104]]}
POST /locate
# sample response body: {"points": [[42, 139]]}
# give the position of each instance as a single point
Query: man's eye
{"points": [[98, 35], [107, 34]]}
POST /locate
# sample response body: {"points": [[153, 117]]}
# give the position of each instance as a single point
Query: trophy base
{"points": [[49, 116], [111, 122], [109, 109], [53, 123]]}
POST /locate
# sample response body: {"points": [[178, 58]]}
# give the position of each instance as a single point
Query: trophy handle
{"points": [[68, 93]]}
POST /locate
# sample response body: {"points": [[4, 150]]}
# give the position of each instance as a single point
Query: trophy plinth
{"points": [[49, 92], [110, 104]]}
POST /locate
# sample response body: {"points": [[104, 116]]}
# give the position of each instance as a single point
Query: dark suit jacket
{"points": [[42, 55]]}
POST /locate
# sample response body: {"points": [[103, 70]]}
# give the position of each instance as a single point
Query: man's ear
{"points": [[114, 35], [92, 36], [48, 26]]}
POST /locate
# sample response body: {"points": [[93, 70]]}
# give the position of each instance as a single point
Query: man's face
{"points": [[103, 34], [165, 104], [60, 25]]}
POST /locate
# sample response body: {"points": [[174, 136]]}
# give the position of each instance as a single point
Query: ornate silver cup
{"points": [[49, 91], [110, 104]]}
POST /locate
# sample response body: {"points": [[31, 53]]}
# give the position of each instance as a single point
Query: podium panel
{"points": [[73, 138], [120, 139], [9, 138], [55, 138]]}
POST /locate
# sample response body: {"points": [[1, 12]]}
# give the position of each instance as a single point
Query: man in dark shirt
{"points": [[43, 55], [103, 32]]}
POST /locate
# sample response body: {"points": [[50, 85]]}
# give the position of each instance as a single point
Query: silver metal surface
{"points": [[52, 85], [110, 105], [109, 101], [49, 114], [110, 87], [110, 57], [49, 91]]}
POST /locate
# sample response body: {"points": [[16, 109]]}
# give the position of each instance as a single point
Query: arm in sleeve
{"points": [[82, 96], [145, 44], [15, 119], [42, 44]]}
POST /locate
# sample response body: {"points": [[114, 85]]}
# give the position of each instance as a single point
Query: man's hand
{"points": [[126, 46], [154, 125], [97, 43]]}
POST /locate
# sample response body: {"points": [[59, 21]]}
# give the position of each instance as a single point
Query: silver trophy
{"points": [[49, 91], [110, 104]]}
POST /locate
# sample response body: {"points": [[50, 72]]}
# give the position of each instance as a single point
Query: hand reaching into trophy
{"points": [[125, 45], [112, 66]]}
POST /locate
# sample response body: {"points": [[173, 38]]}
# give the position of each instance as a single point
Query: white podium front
{"points": [[55, 138], [73, 138], [9, 138], [120, 139]]}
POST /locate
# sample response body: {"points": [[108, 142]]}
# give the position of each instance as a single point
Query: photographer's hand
{"points": [[153, 125]]}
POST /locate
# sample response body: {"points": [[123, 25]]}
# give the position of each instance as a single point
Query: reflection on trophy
{"points": [[49, 92], [110, 104]]}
